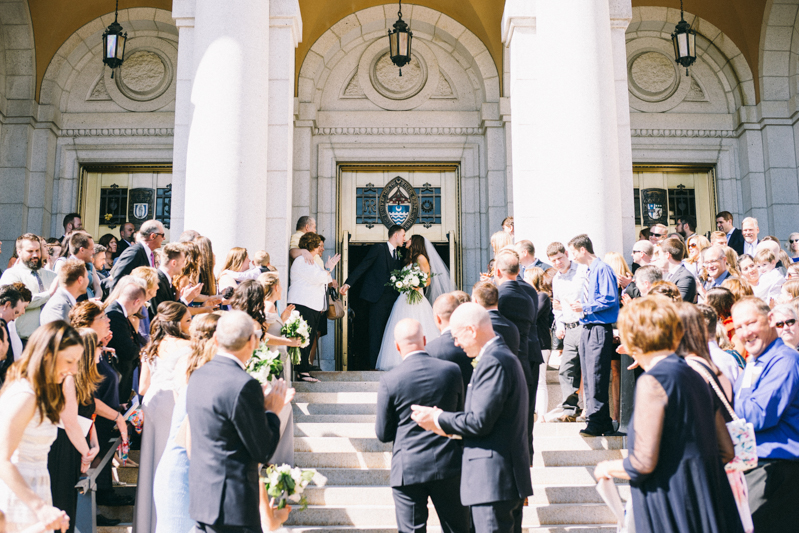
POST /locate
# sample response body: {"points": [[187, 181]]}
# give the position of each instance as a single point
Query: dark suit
{"points": [[505, 329], [126, 343], [230, 435], [444, 348], [375, 270], [165, 293], [122, 245], [736, 241], [135, 256], [686, 282], [423, 464], [495, 477]]}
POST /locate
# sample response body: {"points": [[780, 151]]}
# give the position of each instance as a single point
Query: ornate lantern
{"points": [[114, 43], [399, 41], [684, 40]]}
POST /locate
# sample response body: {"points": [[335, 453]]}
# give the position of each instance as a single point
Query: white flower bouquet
{"points": [[296, 328], [265, 364], [410, 280], [286, 484]]}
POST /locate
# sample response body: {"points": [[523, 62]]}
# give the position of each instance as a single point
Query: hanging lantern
{"points": [[684, 41], [399, 41], [114, 44]]}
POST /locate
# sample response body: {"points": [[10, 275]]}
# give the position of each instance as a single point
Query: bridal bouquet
{"points": [[265, 364], [410, 281], [286, 484], [296, 328]]}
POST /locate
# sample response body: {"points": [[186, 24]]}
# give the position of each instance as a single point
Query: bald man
{"points": [[444, 346], [496, 464], [424, 465]]}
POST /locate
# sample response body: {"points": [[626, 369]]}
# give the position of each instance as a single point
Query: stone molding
{"points": [[726, 134], [398, 131], [118, 132]]}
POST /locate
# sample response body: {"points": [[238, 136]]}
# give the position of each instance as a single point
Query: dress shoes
{"points": [[595, 431], [113, 499]]}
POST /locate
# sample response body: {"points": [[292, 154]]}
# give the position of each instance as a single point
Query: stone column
{"points": [[564, 124], [226, 194], [285, 32]]}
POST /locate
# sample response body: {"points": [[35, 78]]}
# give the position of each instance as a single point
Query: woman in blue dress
{"points": [[677, 447]]}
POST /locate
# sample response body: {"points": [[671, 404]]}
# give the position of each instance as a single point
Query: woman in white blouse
{"points": [[308, 293]]}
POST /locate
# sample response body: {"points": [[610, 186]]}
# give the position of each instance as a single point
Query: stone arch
{"points": [[778, 52], [713, 47], [17, 54], [83, 50], [369, 24]]}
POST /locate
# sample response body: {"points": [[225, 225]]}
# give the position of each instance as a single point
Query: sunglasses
{"points": [[782, 323], [657, 234], [638, 251], [793, 241]]}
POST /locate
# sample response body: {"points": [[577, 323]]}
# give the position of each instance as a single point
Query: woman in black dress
{"points": [[72, 453], [675, 463]]}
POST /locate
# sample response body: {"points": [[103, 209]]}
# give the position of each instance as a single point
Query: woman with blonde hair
{"points": [[499, 240], [739, 287], [171, 482], [792, 246], [71, 454], [624, 277], [31, 403], [676, 443], [732, 261], [237, 260], [695, 245], [620, 267]]}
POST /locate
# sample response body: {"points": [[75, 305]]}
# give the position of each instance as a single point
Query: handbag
{"points": [[335, 307], [741, 433]]}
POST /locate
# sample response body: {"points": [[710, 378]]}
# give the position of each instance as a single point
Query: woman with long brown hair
{"points": [[169, 341], [237, 260], [31, 403], [422, 311]]}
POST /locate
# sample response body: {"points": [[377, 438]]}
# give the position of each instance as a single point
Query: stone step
{"points": [[334, 419], [542, 444], [128, 474], [591, 528], [383, 459], [336, 386], [329, 495], [334, 409], [551, 475], [383, 515], [350, 375], [336, 397], [124, 527], [122, 512]]}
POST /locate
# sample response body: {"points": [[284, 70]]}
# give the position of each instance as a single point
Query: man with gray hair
{"points": [[305, 224], [767, 396], [646, 276], [527, 258], [142, 253], [495, 476], [234, 426], [750, 230], [715, 263]]}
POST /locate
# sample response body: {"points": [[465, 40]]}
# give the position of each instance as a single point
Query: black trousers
{"points": [[596, 352], [410, 504], [125, 369], [498, 517], [379, 312], [105, 432], [312, 317], [532, 391], [773, 495]]}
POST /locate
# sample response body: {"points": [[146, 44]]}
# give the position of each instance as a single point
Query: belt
{"points": [[572, 325]]}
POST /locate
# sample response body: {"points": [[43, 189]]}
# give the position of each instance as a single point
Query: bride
{"points": [[421, 252]]}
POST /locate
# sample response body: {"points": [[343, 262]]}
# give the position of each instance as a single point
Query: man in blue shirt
{"points": [[599, 306], [767, 395]]}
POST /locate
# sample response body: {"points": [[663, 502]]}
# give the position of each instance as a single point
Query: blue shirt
{"points": [[767, 395], [601, 299]]}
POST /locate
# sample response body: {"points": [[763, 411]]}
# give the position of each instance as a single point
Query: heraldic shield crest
{"points": [[141, 205], [655, 207], [398, 204]]}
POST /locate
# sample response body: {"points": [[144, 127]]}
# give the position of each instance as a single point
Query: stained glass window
{"points": [[367, 200], [113, 205], [163, 205]]}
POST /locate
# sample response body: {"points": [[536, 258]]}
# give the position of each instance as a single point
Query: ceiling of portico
{"points": [[55, 20]]}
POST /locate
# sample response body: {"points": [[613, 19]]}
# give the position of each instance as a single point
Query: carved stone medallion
{"points": [[398, 204], [388, 82]]}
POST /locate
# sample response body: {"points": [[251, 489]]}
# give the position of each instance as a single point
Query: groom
{"points": [[376, 269]]}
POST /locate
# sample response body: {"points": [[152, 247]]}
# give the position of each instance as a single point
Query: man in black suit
{"points": [[669, 260], [234, 427], [735, 239], [376, 269], [424, 465], [125, 241], [495, 476], [444, 346], [518, 302], [486, 295], [125, 340], [140, 254]]}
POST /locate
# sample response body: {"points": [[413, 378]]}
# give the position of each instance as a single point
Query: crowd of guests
{"points": [[88, 330]]}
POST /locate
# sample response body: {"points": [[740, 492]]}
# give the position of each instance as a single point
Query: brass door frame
{"points": [[683, 168]]}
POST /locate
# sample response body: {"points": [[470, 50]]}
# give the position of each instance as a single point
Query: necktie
{"points": [[396, 256], [38, 280], [152, 259]]}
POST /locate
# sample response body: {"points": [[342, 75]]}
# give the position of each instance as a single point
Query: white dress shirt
{"points": [[13, 338], [308, 285], [750, 249], [231, 356], [568, 288], [27, 323], [769, 286]]}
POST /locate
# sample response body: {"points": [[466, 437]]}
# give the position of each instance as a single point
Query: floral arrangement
{"points": [[286, 484], [410, 280], [265, 364], [296, 328]]}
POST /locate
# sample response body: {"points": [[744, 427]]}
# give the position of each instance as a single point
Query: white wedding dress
{"points": [[389, 357]]}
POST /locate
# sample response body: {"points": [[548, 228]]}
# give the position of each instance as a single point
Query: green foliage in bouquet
{"points": [[265, 364], [411, 281], [296, 327], [286, 484]]}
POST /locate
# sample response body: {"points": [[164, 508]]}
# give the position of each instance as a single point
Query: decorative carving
{"points": [[119, 132], [142, 71], [696, 94], [387, 81], [99, 92], [398, 204], [444, 89], [398, 131], [354, 89], [653, 73], [724, 134]]}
